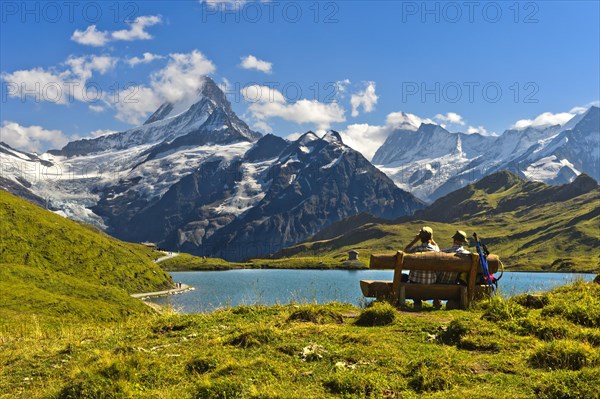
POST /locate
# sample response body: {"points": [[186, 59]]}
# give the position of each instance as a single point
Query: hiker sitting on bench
{"points": [[458, 240], [425, 236], [445, 277]]}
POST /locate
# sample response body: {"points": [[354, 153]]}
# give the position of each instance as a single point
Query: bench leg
{"points": [[402, 297], [464, 298]]}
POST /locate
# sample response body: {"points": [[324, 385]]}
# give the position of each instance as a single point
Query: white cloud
{"points": [[182, 77], [293, 136], [137, 28], [582, 109], [450, 117], [404, 120], [262, 94], [577, 110], [266, 103], [31, 138], [146, 59], [96, 108], [366, 98], [263, 127], [341, 87], [59, 86], [91, 36], [100, 132], [544, 120], [550, 119], [251, 62], [135, 103], [367, 138], [178, 82], [480, 129]]}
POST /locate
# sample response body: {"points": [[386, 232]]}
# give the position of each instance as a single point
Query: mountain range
{"points": [[199, 180], [430, 162], [196, 178]]}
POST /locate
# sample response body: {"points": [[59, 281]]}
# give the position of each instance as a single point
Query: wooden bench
{"points": [[398, 292]]}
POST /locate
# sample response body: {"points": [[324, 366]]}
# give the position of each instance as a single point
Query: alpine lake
{"points": [[219, 289]]}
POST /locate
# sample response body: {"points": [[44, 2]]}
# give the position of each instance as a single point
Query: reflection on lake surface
{"points": [[248, 287]]}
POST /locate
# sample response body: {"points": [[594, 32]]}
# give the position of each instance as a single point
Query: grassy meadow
{"points": [[516, 348]]}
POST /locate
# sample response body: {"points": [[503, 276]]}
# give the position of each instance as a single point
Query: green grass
{"points": [[55, 268], [32, 236], [39, 291], [310, 351], [187, 262]]}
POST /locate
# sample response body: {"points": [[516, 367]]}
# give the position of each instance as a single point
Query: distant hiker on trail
{"points": [[425, 236], [458, 240]]}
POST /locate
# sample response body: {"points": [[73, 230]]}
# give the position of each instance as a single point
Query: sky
{"points": [[72, 70]]}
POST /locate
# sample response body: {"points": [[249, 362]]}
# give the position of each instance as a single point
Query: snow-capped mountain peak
{"points": [[167, 124]]}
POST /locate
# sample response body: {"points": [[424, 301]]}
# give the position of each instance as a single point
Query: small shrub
{"points": [[170, 324], [564, 354], [87, 386], [316, 315], [429, 376], [118, 370], [380, 314], [569, 385], [453, 333], [201, 366], [545, 330], [584, 314], [254, 338], [479, 343], [353, 384], [591, 337], [500, 309], [532, 301]]}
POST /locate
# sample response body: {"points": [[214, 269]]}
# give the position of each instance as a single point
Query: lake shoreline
{"points": [[343, 268], [173, 291]]}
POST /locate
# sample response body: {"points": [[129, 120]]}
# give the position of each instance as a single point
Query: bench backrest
{"points": [[438, 261]]}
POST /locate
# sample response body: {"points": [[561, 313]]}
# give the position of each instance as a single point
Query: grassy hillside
{"points": [[53, 267], [501, 349], [26, 290], [32, 236], [502, 192], [552, 229]]}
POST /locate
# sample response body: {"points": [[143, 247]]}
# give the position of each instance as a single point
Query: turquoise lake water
{"points": [[248, 287]]}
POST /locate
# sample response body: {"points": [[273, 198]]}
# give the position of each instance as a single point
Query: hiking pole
{"points": [[483, 262]]}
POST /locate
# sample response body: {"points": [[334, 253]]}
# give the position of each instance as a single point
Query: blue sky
{"points": [[353, 66]]}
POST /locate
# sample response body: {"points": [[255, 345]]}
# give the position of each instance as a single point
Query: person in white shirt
{"points": [[459, 239], [445, 277]]}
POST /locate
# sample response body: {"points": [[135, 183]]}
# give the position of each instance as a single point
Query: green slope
{"points": [[531, 226], [54, 266], [499, 349]]}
